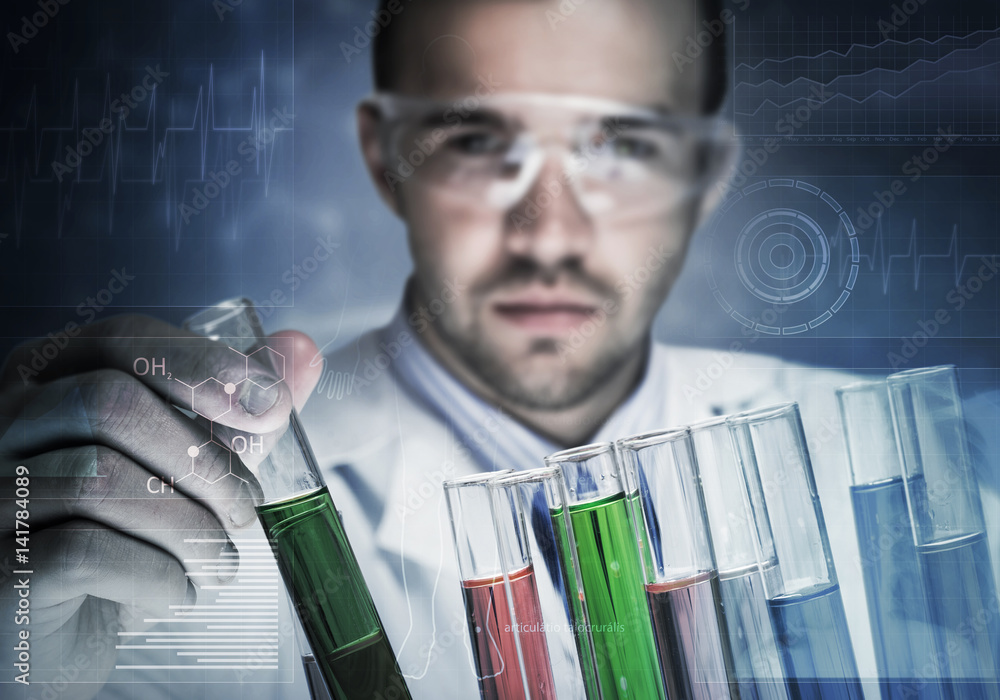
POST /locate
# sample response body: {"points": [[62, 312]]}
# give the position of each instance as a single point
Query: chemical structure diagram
{"points": [[200, 405]]}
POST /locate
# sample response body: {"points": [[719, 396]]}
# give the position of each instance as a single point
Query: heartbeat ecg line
{"points": [[879, 260], [108, 163]]}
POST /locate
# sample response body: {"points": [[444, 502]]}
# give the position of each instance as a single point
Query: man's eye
{"points": [[478, 144], [634, 148]]}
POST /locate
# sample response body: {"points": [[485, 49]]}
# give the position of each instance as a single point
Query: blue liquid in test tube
{"points": [[949, 529], [803, 594], [756, 662], [897, 608]]}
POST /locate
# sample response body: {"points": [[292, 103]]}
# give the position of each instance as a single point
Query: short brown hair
{"points": [[384, 59]]}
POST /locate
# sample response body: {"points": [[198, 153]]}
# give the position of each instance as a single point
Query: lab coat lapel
{"points": [[424, 455]]}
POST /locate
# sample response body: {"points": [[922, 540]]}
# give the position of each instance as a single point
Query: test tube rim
{"points": [[580, 454], [764, 413], [708, 423], [918, 371], [858, 387], [905, 375], [862, 385], [525, 476], [634, 443], [479, 478], [236, 305]]}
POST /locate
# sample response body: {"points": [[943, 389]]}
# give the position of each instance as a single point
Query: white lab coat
{"points": [[384, 455]]}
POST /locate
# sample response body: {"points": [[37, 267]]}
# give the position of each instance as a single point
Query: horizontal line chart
{"points": [[909, 83], [241, 625]]}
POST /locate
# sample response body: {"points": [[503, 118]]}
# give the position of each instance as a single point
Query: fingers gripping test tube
{"points": [[314, 556]]}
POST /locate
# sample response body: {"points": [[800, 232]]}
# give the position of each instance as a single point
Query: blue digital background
{"points": [[254, 112], [888, 78]]}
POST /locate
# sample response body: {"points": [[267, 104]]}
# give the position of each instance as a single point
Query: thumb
{"points": [[305, 373]]}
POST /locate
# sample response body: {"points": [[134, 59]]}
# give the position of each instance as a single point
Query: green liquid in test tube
{"points": [[314, 556], [611, 572]]}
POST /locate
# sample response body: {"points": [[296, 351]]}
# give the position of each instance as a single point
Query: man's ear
{"points": [[372, 150], [718, 183]]}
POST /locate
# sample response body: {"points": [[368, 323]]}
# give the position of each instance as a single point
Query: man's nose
{"points": [[549, 225]]}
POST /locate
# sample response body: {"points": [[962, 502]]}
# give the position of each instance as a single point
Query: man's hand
{"points": [[85, 439]]}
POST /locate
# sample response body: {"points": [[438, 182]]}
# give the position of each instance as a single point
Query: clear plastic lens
{"points": [[648, 152], [614, 162]]}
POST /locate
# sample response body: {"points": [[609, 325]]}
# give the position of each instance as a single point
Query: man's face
{"points": [[551, 298]]}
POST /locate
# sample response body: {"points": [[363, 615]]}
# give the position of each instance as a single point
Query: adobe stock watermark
{"points": [[901, 14], [92, 137], [363, 35], [88, 310], [931, 327], [625, 287], [787, 125], [565, 9], [893, 531], [429, 489], [424, 147], [298, 273], [938, 663], [30, 26], [915, 166], [458, 632], [293, 278], [723, 360], [337, 384], [224, 7], [555, 187], [218, 181], [714, 29], [84, 667]]}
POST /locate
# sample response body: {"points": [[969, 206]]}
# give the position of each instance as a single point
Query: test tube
{"points": [[756, 662], [678, 565], [604, 547], [314, 556], [318, 689], [502, 606], [529, 537], [949, 529], [803, 594], [897, 607]]}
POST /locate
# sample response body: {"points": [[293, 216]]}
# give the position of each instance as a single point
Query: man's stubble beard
{"points": [[569, 385]]}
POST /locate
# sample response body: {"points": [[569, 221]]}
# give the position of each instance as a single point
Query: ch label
{"points": [[155, 484]]}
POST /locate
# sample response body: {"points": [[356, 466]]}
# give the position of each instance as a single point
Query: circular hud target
{"points": [[782, 256]]}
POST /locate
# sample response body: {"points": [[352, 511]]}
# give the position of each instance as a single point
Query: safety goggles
{"points": [[620, 161]]}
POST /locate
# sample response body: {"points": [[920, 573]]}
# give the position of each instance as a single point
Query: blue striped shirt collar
{"points": [[496, 440]]}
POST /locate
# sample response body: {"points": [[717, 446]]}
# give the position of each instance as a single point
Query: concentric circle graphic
{"points": [[769, 258], [782, 256]]}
